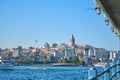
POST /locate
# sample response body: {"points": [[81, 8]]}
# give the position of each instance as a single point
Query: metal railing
{"points": [[110, 73]]}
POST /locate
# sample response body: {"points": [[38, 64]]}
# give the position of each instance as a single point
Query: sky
{"points": [[53, 21]]}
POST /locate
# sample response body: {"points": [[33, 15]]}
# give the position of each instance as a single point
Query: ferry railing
{"points": [[110, 73]]}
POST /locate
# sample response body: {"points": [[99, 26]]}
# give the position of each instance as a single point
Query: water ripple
{"points": [[45, 73]]}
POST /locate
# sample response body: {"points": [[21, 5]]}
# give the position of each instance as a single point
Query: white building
{"points": [[69, 53], [62, 46], [101, 55], [118, 55], [113, 55], [0, 59], [16, 53], [58, 54], [88, 52], [89, 55]]}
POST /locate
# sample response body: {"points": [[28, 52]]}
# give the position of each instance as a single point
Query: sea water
{"points": [[46, 73]]}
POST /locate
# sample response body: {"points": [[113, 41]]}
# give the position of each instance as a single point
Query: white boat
{"points": [[6, 64], [100, 64]]}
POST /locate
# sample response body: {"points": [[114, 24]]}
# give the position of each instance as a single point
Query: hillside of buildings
{"points": [[63, 53]]}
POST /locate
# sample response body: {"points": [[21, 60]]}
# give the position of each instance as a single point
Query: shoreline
{"points": [[51, 64], [59, 64]]}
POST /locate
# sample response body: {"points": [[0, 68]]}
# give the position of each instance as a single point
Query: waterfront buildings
{"points": [[56, 53]]}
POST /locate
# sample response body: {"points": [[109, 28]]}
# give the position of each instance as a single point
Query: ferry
{"points": [[5, 64]]}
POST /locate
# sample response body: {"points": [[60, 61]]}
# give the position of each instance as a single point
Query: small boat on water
{"points": [[100, 64], [63, 64], [6, 64]]}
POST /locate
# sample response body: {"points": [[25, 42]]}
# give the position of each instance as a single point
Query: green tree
{"points": [[82, 62], [46, 61], [45, 56], [75, 60], [26, 61], [34, 54], [36, 62], [64, 60]]}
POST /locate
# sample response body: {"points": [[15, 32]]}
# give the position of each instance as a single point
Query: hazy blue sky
{"points": [[23, 21]]}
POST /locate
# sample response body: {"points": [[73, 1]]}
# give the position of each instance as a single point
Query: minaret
{"points": [[72, 41]]}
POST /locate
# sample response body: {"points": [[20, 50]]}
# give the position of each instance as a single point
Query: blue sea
{"points": [[46, 73]]}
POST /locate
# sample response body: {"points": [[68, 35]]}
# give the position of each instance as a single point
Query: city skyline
{"points": [[24, 21]]}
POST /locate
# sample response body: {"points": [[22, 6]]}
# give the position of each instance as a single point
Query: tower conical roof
{"points": [[72, 41]]}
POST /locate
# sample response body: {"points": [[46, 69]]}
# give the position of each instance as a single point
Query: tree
{"points": [[75, 60], [45, 56], [36, 62], [27, 61], [82, 62], [64, 60], [34, 54], [46, 61]]}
